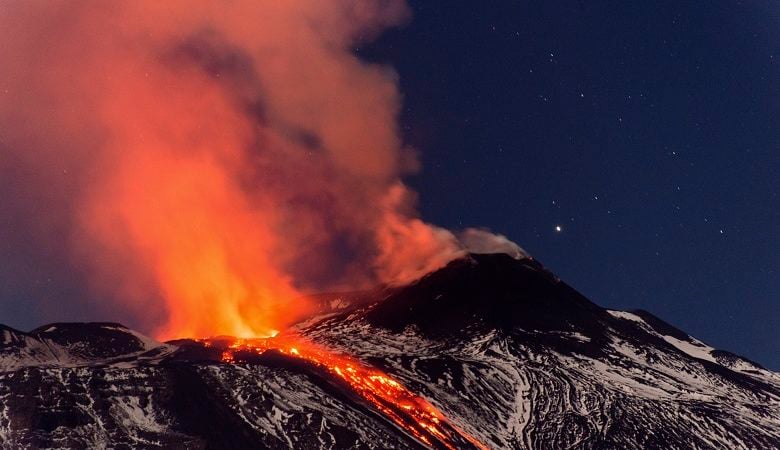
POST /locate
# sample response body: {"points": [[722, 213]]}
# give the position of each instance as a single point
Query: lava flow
{"points": [[411, 412]]}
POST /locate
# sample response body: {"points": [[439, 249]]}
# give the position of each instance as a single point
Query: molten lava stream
{"points": [[409, 411]]}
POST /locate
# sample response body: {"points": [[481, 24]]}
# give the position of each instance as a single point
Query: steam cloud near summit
{"points": [[211, 161]]}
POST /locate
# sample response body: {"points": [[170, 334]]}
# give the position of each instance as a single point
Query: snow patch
{"points": [[626, 315], [579, 336], [695, 348]]}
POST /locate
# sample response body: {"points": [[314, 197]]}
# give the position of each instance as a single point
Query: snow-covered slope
{"points": [[77, 344], [509, 354], [536, 365]]}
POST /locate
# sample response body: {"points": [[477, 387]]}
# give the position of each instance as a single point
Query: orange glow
{"points": [[410, 412], [219, 159]]}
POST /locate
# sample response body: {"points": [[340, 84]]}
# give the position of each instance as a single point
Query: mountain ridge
{"points": [[510, 355]]}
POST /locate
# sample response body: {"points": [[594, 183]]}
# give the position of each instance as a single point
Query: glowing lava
{"points": [[410, 412]]}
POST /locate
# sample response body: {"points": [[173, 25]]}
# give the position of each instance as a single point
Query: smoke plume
{"points": [[207, 163]]}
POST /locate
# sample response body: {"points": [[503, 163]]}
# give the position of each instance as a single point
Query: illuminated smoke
{"points": [[477, 240], [212, 160]]}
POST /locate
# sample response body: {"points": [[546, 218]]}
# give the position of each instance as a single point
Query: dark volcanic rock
{"points": [[494, 290], [91, 340], [510, 354]]}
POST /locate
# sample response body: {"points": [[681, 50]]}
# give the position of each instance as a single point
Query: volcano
{"points": [[487, 352]]}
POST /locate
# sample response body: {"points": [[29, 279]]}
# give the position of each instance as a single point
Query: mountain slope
{"points": [[536, 365], [507, 352]]}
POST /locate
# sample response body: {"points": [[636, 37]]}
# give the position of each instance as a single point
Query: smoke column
{"points": [[210, 162]]}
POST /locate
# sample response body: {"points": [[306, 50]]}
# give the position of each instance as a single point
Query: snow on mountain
{"points": [[510, 354], [77, 344]]}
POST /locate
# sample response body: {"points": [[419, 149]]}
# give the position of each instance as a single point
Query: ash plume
{"points": [[202, 164]]}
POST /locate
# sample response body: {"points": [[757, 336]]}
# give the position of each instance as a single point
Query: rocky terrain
{"points": [[509, 354]]}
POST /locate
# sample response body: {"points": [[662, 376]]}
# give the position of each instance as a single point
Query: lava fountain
{"points": [[410, 412]]}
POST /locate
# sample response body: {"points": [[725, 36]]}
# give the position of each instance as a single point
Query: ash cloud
{"points": [[479, 240], [196, 166]]}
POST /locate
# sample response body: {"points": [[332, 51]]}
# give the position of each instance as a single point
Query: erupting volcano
{"points": [[488, 352], [241, 157], [208, 172]]}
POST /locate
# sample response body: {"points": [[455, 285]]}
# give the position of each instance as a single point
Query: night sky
{"points": [[646, 132], [631, 147]]}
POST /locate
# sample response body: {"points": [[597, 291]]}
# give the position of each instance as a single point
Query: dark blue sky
{"points": [[648, 131]]}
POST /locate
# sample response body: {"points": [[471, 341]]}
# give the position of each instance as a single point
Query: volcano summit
{"points": [[487, 352]]}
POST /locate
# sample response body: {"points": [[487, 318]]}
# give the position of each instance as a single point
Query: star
{"points": [[558, 228]]}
